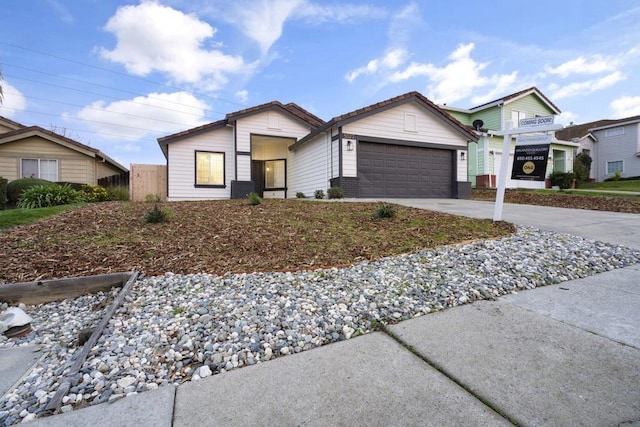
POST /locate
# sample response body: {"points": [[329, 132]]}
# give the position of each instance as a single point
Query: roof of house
{"points": [[387, 104], [27, 131], [10, 123], [291, 109], [510, 98], [573, 132], [626, 120]]}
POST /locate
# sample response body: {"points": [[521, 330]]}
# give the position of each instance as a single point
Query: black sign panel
{"points": [[530, 162]]}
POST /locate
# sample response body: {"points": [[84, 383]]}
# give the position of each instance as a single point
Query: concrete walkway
{"points": [[567, 354]]}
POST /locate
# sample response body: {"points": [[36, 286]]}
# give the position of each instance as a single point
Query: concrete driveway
{"points": [[610, 227]]}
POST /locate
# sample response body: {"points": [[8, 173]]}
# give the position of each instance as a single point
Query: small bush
{"points": [[563, 180], [582, 166], [119, 193], [319, 194], [254, 199], [152, 198], [15, 188], [300, 195], [44, 196], [94, 193], [3, 193], [155, 216], [384, 211], [335, 193]]}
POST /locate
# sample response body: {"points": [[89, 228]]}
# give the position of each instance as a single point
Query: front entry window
{"points": [[40, 168], [274, 174]]}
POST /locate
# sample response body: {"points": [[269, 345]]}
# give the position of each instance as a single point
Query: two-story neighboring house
{"points": [[484, 157], [614, 146]]}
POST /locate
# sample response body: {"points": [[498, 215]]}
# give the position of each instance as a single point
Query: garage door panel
{"points": [[387, 170]]}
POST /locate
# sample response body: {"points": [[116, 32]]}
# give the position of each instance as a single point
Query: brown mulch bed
{"points": [[629, 204], [224, 236]]}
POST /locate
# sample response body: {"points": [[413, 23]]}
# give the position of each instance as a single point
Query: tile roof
{"points": [[193, 131], [391, 102]]}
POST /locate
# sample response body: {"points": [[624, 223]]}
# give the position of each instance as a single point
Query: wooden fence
{"points": [[147, 180], [119, 180]]}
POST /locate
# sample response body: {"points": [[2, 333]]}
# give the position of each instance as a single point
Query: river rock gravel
{"points": [[176, 328]]}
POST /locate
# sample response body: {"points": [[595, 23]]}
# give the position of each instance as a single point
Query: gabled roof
{"points": [[572, 132], [618, 122], [10, 123], [510, 98], [28, 131], [385, 105], [292, 110], [298, 113]]}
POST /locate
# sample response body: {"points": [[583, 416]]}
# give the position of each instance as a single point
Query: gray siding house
{"points": [[618, 148]]}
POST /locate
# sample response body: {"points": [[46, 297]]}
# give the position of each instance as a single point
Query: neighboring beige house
{"points": [[34, 152]]}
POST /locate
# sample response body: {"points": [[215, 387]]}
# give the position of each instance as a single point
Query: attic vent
{"points": [[274, 121], [410, 122]]}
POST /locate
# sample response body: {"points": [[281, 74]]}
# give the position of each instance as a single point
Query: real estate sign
{"points": [[530, 162]]}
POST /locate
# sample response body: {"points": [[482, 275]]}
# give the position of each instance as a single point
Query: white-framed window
{"points": [[275, 174], [209, 169], [615, 166], [559, 161], [39, 168], [516, 116], [614, 132], [410, 122]]}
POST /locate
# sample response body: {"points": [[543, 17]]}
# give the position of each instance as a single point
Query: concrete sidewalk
{"points": [[567, 354]]}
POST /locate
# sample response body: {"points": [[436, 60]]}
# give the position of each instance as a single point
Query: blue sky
{"points": [[117, 74]]}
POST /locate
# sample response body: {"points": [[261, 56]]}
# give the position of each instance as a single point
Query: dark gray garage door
{"points": [[386, 170]]}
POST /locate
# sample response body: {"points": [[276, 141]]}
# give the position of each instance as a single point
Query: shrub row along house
{"points": [[34, 152]]}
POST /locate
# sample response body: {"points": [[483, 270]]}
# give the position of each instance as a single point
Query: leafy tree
{"points": [[582, 166]]}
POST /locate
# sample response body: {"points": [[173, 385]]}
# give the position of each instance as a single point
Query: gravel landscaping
{"points": [[173, 328]]}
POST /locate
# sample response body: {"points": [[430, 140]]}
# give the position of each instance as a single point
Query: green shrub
{"points": [[15, 188], [152, 198], [44, 196], [254, 199], [335, 193], [78, 186], [119, 193], [300, 195], [384, 211], [3, 193], [582, 166], [563, 180], [94, 193], [319, 194], [155, 216]]}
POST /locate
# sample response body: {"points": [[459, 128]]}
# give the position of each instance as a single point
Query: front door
{"points": [[257, 176]]}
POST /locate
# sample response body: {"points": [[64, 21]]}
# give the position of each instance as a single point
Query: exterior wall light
{"points": [[462, 155], [349, 145]]}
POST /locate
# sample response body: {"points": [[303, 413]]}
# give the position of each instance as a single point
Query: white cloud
{"points": [[391, 60], [566, 117], [586, 87], [12, 100], [594, 65], [458, 79], [154, 115], [263, 21], [340, 13], [626, 106], [152, 37], [242, 95]]}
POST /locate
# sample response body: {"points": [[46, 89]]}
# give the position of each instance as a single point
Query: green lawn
{"points": [[11, 217], [611, 185]]}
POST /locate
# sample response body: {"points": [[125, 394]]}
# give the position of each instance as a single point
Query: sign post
{"points": [[531, 125]]}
